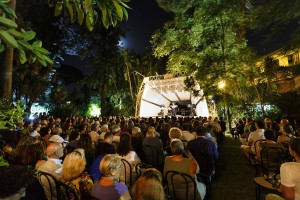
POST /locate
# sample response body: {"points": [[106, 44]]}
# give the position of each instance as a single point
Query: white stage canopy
{"points": [[158, 92]]}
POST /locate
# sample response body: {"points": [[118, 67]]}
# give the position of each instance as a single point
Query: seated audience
{"points": [[126, 151], [53, 165], [73, 174], [149, 186], [85, 143], [105, 146], [94, 133], [153, 158], [13, 182], [137, 138], [285, 134], [270, 137], [290, 172], [108, 186], [177, 162], [204, 151]]}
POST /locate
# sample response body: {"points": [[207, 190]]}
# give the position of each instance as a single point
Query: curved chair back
{"points": [[126, 172], [54, 189], [151, 155], [257, 144], [271, 159], [49, 183], [288, 156], [140, 167], [180, 186]]}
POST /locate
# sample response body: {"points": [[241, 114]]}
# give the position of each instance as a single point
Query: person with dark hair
{"points": [[270, 142], [28, 152], [45, 133], [289, 172], [258, 134], [285, 134], [125, 150], [85, 142], [14, 181], [137, 138], [204, 151], [105, 146]]}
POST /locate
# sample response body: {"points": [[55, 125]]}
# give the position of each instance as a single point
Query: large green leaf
{"points": [[119, 10], [16, 34], [48, 60], [7, 9], [42, 50], [37, 44], [25, 44], [8, 23], [8, 39], [80, 15], [58, 8], [22, 55], [28, 35], [71, 11]]}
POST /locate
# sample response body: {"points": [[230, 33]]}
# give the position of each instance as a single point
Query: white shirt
{"points": [[256, 135], [290, 176], [186, 135]]}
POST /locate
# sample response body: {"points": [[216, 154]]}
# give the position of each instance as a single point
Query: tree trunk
{"points": [[102, 98], [6, 66]]}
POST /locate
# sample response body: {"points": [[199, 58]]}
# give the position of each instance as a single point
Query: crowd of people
{"points": [[275, 147], [89, 155]]}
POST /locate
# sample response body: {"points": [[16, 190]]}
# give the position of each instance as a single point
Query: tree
{"points": [[89, 10], [206, 40], [13, 37], [276, 21]]}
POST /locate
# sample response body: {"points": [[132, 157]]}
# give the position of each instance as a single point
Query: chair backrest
{"points": [[66, 192], [54, 189], [151, 155], [49, 183], [180, 186], [288, 156], [126, 173], [257, 143], [140, 167], [271, 159]]}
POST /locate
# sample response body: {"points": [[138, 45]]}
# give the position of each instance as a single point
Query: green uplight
{"points": [[93, 110]]}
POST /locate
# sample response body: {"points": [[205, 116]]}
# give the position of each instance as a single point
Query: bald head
{"points": [[54, 150]]}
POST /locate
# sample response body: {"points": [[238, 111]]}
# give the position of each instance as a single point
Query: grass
{"points": [[234, 177]]}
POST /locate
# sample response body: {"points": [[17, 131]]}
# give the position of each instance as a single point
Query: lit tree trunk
{"points": [[102, 98], [6, 66]]}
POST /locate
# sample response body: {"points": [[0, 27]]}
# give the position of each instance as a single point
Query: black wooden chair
{"points": [[253, 155], [181, 186], [270, 161], [55, 189], [287, 154], [140, 167], [151, 155], [127, 172]]}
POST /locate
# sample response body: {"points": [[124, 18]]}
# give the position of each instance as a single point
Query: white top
{"points": [[94, 135], [256, 135], [290, 176], [186, 135], [35, 134]]}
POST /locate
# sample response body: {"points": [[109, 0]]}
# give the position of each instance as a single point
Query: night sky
{"points": [[144, 18]]}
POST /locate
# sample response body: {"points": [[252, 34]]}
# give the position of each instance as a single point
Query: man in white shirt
{"points": [[53, 165], [253, 137]]}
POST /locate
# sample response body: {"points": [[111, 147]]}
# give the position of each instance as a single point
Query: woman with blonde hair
{"points": [[108, 186], [73, 174], [149, 186]]}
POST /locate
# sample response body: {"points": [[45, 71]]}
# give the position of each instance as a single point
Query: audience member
{"points": [[177, 162], [289, 172], [108, 187], [204, 151], [149, 186], [73, 174]]}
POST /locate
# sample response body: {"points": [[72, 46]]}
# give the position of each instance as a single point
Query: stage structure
{"points": [[166, 95]]}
